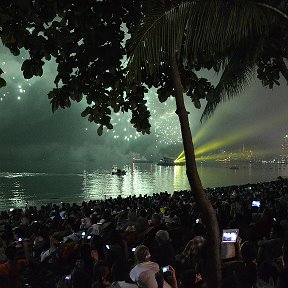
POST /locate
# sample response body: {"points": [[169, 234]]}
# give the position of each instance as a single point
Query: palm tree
{"points": [[172, 35]]}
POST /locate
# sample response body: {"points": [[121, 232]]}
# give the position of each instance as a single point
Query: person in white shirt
{"points": [[144, 271]]}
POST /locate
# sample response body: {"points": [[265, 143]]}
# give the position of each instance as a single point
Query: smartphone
{"points": [[68, 277], [230, 235], [256, 203], [83, 234], [133, 249], [165, 269], [108, 246], [89, 237], [20, 239], [197, 220]]}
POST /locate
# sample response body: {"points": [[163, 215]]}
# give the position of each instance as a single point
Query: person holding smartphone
{"points": [[145, 271]]}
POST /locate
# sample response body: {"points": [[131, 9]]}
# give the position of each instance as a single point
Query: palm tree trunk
{"points": [[213, 266]]}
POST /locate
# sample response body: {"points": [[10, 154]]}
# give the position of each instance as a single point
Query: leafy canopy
{"points": [[86, 39]]}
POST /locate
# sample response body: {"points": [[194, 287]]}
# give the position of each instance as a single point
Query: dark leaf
{"points": [[2, 83], [100, 130], [55, 105]]}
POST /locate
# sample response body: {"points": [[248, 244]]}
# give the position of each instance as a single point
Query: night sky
{"points": [[33, 138]]}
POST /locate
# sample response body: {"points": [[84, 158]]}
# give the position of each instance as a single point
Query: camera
{"points": [[230, 235], [165, 269]]}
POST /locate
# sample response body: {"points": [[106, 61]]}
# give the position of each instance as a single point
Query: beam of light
{"points": [[236, 155], [202, 132], [182, 154], [238, 136]]}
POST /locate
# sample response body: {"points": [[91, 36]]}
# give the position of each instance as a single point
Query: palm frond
{"points": [[147, 46], [190, 28], [236, 76]]}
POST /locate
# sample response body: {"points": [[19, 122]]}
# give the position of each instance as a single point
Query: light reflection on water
{"points": [[42, 188]]}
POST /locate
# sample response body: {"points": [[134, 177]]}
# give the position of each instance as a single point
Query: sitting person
{"points": [[49, 255], [163, 253], [150, 233], [3, 257], [244, 270], [86, 220], [144, 272], [11, 271], [75, 235], [83, 271], [120, 275], [271, 248], [194, 255], [101, 275], [282, 281]]}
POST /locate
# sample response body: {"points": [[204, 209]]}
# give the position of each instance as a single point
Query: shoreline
{"points": [[211, 191]]}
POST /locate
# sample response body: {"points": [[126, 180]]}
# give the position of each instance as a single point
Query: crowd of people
{"points": [[148, 241]]}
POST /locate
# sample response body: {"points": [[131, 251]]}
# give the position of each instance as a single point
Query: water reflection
{"points": [[42, 188], [17, 198]]}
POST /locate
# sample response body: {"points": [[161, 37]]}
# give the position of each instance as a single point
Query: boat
{"points": [[234, 167], [165, 161], [119, 172], [141, 160]]}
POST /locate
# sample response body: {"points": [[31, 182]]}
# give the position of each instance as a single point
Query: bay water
{"points": [[41, 187]]}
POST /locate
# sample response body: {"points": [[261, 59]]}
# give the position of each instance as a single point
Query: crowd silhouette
{"points": [[148, 241]]}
